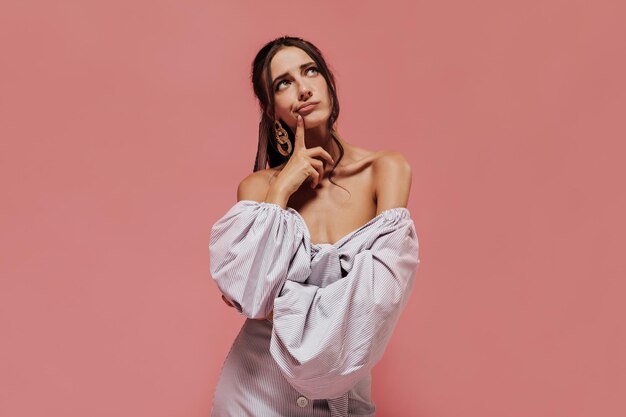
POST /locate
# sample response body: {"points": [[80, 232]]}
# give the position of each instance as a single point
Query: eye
{"points": [[278, 85], [286, 81]]}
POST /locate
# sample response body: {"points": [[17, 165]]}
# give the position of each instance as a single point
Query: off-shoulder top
{"points": [[335, 307]]}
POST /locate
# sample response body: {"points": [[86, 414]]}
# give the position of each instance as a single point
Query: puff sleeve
{"points": [[253, 249], [325, 340]]}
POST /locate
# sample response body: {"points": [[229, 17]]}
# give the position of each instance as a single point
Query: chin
{"points": [[313, 120]]}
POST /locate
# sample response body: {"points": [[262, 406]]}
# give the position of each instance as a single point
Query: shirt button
{"points": [[302, 401]]}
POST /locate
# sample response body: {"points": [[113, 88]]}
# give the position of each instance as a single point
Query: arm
{"points": [[327, 339], [392, 181], [254, 248]]}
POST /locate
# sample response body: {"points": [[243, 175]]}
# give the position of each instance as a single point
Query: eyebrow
{"points": [[306, 64]]}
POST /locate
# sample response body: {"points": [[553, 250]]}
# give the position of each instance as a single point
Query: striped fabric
{"points": [[335, 307]]}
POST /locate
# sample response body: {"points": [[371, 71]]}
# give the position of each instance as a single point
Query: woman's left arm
{"points": [[325, 340], [392, 181]]}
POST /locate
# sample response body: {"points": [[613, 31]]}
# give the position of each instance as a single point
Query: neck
{"points": [[320, 136]]}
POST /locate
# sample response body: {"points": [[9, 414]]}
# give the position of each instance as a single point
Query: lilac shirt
{"points": [[335, 308]]}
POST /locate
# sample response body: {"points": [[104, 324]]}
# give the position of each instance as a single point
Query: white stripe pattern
{"points": [[335, 307]]}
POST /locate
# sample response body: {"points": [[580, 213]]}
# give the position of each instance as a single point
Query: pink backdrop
{"points": [[127, 125]]}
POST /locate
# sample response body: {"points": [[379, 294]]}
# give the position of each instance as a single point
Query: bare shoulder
{"points": [[390, 159], [392, 179], [380, 160], [255, 186]]}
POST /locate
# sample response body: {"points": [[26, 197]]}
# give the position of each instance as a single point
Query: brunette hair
{"points": [[266, 151]]}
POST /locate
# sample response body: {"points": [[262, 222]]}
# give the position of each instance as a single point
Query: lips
{"points": [[306, 107]]}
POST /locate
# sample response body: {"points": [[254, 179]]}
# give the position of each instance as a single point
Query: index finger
{"points": [[299, 141]]}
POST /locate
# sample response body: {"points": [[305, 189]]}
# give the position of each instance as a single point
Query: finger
{"points": [[319, 168], [299, 141], [321, 152], [315, 178]]}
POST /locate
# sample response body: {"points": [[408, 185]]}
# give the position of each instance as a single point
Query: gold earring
{"points": [[282, 139]]}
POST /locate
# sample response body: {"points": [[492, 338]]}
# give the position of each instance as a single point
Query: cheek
{"points": [[281, 108]]}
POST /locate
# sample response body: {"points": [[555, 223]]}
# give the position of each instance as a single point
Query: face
{"points": [[296, 80]]}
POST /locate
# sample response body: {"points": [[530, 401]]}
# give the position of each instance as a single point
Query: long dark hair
{"points": [[266, 151]]}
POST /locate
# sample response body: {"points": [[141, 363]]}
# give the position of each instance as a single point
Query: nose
{"points": [[304, 92]]}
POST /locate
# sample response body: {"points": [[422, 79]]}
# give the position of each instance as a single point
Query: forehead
{"points": [[288, 58]]}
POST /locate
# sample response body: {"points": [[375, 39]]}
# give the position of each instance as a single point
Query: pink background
{"points": [[127, 125]]}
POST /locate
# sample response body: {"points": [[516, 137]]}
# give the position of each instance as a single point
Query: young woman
{"points": [[321, 270]]}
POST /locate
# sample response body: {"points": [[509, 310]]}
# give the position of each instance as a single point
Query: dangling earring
{"points": [[282, 139]]}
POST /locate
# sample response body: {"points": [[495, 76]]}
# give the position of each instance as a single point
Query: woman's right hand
{"points": [[302, 164]]}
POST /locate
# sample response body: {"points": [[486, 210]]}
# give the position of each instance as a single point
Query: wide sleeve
{"points": [[325, 340], [253, 249]]}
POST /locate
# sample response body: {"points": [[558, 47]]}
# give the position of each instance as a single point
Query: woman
{"points": [[321, 271]]}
